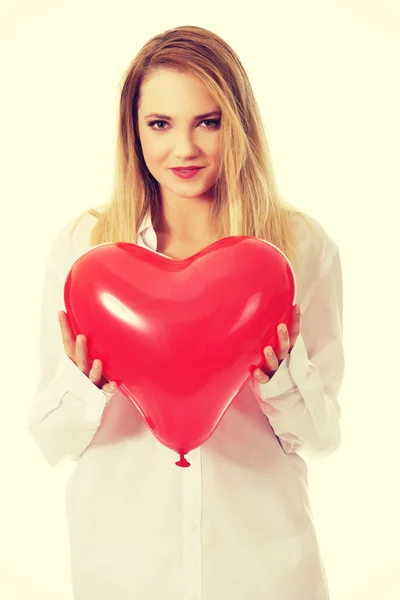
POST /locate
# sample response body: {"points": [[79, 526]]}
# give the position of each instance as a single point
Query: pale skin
{"points": [[286, 341], [76, 350]]}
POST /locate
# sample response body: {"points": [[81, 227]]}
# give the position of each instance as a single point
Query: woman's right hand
{"points": [[76, 350]]}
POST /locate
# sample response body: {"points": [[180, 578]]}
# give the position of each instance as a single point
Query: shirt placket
{"points": [[191, 528], [191, 494]]}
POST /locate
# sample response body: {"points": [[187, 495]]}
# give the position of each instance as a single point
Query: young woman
{"points": [[237, 524]]}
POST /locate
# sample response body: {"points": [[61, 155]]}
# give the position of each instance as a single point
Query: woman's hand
{"points": [[76, 350], [286, 342]]}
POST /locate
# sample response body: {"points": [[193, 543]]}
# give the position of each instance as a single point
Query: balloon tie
{"points": [[182, 462]]}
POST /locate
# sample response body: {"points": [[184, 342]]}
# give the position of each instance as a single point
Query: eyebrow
{"points": [[160, 116]]}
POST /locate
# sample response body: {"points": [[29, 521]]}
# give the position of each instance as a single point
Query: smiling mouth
{"points": [[186, 168]]}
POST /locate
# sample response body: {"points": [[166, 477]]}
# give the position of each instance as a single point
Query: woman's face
{"points": [[182, 139]]}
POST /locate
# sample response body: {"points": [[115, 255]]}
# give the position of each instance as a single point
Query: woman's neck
{"points": [[181, 249], [187, 221]]}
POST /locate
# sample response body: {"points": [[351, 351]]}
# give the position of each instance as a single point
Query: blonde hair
{"points": [[246, 200]]}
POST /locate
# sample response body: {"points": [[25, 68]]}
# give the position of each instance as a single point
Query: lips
{"points": [[186, 173], [186, 168]]}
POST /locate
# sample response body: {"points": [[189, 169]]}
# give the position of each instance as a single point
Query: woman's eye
{"points": [[156, 123], [214, 124]]}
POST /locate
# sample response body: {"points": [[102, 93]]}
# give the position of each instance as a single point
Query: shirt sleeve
{"points": [[301, 399], [67, 408]]}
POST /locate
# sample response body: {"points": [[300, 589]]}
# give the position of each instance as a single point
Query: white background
{"points": [[326, 76]]}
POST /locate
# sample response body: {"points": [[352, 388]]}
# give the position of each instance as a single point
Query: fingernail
{"points": [[269, 351], [257, 372], [96, 364], [297, 309], [283, 329], [112, 386]]}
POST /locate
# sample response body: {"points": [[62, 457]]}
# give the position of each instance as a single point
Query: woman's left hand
{"points": [[287, 340]]}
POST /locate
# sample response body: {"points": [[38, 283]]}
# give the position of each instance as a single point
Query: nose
{"points": [[185, 147]]}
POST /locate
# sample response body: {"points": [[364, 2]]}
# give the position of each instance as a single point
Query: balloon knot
{"points": [[182, 462]]}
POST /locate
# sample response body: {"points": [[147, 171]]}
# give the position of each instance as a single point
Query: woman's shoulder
{"points": [[73, 239], [316, 251], [315, 245]]}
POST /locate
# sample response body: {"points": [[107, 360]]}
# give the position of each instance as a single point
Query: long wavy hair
{"points": [[246, 200]]}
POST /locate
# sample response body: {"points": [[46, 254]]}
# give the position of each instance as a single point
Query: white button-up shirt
{"points": [[236, 524]]}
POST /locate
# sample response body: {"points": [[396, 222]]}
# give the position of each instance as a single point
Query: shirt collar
{"points": [[147, 237], [146, 222]]}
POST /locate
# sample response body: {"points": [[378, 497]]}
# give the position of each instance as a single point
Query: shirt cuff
{"points": [[292, 369], [69, 378]]}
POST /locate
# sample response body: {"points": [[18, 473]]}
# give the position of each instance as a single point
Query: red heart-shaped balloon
{"points": [[180, 337]]}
